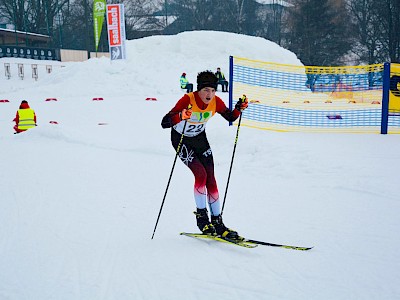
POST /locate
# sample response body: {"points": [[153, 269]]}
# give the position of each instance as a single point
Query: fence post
{"points": [[230, 84], [21, 71], [385, 98], [7, 70], [35, 74]]}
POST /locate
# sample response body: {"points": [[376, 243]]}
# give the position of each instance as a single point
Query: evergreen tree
{"points": [[239, 16], [318, 32]]}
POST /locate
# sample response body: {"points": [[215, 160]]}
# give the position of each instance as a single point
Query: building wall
{"points": [[73, 55], [80, 55]]}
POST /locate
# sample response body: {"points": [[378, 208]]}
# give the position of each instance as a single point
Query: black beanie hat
{"points": [[206, 79]]}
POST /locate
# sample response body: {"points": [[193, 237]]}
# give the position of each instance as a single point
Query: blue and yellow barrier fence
{"points": [[317, 99]]}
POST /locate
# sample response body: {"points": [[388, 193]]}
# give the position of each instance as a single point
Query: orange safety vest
{"points": [[197, 122]]}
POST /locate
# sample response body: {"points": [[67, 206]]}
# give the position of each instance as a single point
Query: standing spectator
{"points": [[185, 84], [25, 118], [221, 80]]}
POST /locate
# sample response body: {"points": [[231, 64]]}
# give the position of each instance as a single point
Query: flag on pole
{"points": [[99, 10], [116, 31]]}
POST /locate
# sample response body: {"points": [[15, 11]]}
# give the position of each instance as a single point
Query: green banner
{"points": [[99, 10]]}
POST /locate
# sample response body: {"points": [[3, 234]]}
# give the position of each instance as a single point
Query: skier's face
{"points": [[206, 94]]}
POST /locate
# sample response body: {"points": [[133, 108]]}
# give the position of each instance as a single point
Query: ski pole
{"points": [[243, 99], [170, 175]]}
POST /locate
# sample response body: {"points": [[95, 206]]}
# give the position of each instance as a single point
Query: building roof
{"points": [[153, 23], [279, 2], [34, 36]]}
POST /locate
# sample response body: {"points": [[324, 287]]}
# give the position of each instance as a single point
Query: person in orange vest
{"points": [[25, 118], [196, 109]]}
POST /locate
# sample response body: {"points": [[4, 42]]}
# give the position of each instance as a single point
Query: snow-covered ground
{"points": [[79, 200]]}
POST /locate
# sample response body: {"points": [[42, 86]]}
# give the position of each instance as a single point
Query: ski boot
{"points": [[222, 230], [203, 222]]}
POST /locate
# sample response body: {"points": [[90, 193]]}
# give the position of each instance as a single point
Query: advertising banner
{"points": [[99, 10], [29, 52], [116, 31]]}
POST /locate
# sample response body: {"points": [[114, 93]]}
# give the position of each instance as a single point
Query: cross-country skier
{"points": [[195, 109]]}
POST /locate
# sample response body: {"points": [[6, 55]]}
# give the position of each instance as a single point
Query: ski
{"points": [[220, 239], [275, 245], [243, 242]]}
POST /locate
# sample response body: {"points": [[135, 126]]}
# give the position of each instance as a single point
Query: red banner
{"points": [[116, 31], [114, 24]]}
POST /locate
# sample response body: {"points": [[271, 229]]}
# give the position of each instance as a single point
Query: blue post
{"points": [[230, 84], [385, 98]]}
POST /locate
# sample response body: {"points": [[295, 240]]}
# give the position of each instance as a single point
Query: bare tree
{"points": [[389, 14], [139, 17], [194, 14], [33, 16], [368, 38], [377, 27]]}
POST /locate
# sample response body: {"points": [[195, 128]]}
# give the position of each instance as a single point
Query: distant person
{"points": [[185, 84], [196, 109], [312, 80], [222, 80], [25, 118]]}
